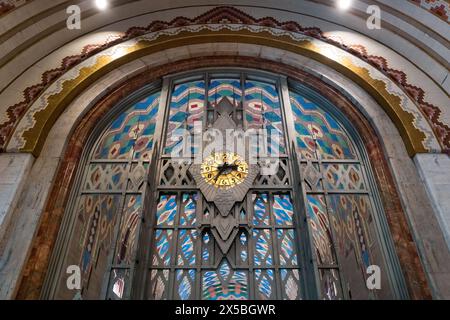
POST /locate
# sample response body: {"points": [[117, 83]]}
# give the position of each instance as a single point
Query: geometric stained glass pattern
{"points": [[162, 247], [261, 214], [287, 250], [320, 229], [290, 282], [263, 250], [263, 111], [166, 211], [225, 284], [311, 123], [283, 210], [186, 250], [343, 177], [185, 283], [110, 202], [105, 177], [187, 106], [225, 88], [265, 284], [265, 257], [188, 215], [131, 133]]}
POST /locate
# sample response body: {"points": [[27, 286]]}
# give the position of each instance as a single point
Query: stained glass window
{"points": [[308, 228], [254, 104], [338, 203], [109, 201]]}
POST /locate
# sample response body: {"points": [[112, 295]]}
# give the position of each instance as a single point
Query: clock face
{"points": [[224, 170]]}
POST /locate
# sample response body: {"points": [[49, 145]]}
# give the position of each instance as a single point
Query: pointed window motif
{"points": [[338, 203], [108, 205], [303, 221]]}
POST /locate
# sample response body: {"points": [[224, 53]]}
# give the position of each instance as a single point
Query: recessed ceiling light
{"points": [[101, 4], [344, 4]]}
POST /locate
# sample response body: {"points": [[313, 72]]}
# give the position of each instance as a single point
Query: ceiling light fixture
{"points": [[344, 4], [101, 4]]}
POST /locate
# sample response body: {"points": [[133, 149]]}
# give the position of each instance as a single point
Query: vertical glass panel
{"points": [[229, 89], [162, 247], [262, 111], [265, 284], [320, 228], [286, 247], [283, 210], [225, 284], [331, 287], [262, 239], [311, 123], [290, 284], [128, 230], [185, 284], [187, 241], [356, 244], [159, 284], [118, 284], [166, 210], [243, 247], [188, 215], [187, 106], [260, 209], [99, 216], [131, 133], [207, 244]]}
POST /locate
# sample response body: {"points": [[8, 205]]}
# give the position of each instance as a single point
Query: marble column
{"points": [[434, 170], [14, 169]]}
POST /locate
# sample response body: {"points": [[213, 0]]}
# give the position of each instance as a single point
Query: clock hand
{"points": [[221, 169]]}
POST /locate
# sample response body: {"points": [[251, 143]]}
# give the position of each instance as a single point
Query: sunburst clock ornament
{"points": [[224, 178]]}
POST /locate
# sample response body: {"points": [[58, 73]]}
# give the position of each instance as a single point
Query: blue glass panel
{"points": [[131, 133], [226, 284], [225, 88], [263, 111], [187, 243], [311, 123], [283, 210], [263, 250], [186, 107], [166, 210]]}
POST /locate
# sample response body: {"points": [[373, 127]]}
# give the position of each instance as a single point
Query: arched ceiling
{"points": [[404, 66]]}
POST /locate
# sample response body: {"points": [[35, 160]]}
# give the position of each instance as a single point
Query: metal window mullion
{"points": [[251, 255], [309, 270]]}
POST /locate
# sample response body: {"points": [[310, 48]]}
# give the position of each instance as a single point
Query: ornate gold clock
{"points": [[224, 170]]}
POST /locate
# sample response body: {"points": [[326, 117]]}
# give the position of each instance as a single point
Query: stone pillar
{"points": [[14, 170], [434, 170]]}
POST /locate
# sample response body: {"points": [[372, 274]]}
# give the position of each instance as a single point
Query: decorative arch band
{"points": [[31, 133]]}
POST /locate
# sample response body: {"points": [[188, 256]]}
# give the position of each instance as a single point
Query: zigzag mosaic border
{"points": [[440, 8], [223, 15]]}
